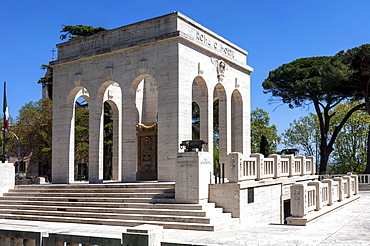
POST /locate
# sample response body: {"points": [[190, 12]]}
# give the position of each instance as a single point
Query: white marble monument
{"points": [[150, 72]]}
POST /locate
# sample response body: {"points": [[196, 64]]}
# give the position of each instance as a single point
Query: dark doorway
{"points": [[286, 210]]}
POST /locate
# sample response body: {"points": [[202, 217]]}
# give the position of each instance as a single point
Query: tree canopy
{"points": [[349, 154], [33, 126], [303, 134], [357, 79], [79, 31], [264, 136], [314, 81]]}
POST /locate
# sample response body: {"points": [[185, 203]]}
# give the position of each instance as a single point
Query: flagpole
{"points": [[4, 134]]}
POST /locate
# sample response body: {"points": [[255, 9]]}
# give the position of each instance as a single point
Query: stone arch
{"points": [[111, 92], [70, 111], [144, 97], [113, 96], [219, 93], [200, 96], [236, 122]]}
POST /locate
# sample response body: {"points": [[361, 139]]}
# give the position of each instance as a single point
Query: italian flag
{"points": [[6, 112]]}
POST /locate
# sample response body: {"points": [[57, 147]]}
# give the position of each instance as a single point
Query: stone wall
{"points": [[255, 201], [7, 177]]}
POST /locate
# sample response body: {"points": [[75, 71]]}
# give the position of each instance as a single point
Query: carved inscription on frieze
{"points": [[214, 44], [131, 34], [122, 37]]}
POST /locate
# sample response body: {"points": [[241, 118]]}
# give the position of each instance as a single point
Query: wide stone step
{"points": [[137, 217], [128, 223], [169, 185], [167, 212], [91, 199], [174, 206], [119, 195], [101, 190], [122, 204]]}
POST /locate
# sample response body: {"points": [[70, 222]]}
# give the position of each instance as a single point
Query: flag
{"points": [[6, 112]]}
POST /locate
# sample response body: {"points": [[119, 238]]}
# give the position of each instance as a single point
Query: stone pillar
{"points": [[63, 140], [277, 165], [129, 141], [349, 190], [96, 142], [193, 174], [224, 128], [318, 187], [355, 177], [260, 166], [117, 144], [234, 167], [331, 190], [340, 187], [298, 203], [7, 177]]}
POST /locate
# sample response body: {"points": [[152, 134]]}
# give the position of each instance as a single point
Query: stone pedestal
{"points": [[298, 202], [143, 235], [234, 167], [7, 177], [193, 174]]}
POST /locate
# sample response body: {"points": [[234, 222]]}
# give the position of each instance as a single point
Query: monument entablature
{"points": [[171, 26]]}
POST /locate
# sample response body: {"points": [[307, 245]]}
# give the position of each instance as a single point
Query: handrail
{"points": [[258, 167]]}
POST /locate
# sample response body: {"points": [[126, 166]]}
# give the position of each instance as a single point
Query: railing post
{"points": [[298, 201], [340, 187], [260, 166], [331, 190], [303, 164], [234, 167], [277, 165], [290, 164], [317, 184], [313, 164], [356, 183], [349, 190]]}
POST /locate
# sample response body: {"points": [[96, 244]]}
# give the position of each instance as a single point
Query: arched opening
{"points": [[111, 131], [236, 122], [81, 136], [220, 124], [200, 112], [195, 115], [108, 142], [146, 102]]}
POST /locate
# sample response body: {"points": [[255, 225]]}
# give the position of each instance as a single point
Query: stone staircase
{"points": [[119, 204]]}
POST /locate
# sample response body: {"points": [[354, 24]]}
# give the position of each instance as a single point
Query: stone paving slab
{"points": [[349, 225]]}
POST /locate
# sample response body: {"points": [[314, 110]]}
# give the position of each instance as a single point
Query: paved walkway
{"points": [[349, 225]]}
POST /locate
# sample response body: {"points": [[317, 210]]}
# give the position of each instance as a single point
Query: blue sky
{"points": [[273, 32]]}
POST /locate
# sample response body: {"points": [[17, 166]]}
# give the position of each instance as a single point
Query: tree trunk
{"points": [[367, 169], [325, 152]]}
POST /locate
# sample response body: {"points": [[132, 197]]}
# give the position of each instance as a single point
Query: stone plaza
{"points": [[150, 73]]}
